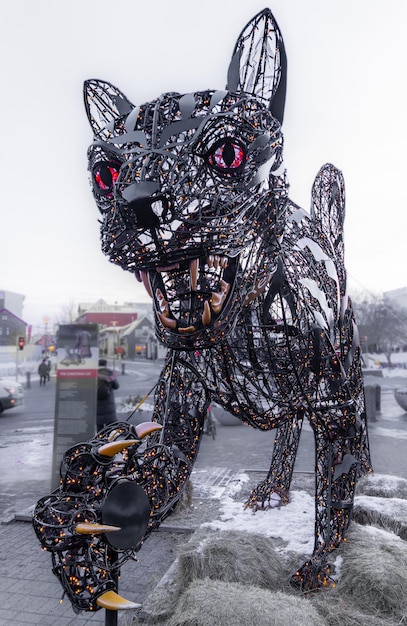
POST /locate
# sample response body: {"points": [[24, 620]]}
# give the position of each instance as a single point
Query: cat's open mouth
{"points": [[190, 295]]}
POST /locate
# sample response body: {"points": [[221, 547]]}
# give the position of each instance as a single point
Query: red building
{"points": [[106, 315]]}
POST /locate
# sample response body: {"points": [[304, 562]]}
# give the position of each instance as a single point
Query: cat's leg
{"points": [[274, 490], [340, 459], [118, 487]]}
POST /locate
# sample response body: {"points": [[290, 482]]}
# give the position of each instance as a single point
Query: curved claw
{"points": [[113, 448], [145, 428], [113, 602], [94, 529]]}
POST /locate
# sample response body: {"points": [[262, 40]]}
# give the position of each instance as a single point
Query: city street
{"points": [[26, 438]]}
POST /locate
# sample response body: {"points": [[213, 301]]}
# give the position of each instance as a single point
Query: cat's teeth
{"points": [[206, 315], [164, 312], [215, 304], [146, 282], [164, 307], [193, 271], [218, 297], [215, 260], [168, 322], [189, 329]]}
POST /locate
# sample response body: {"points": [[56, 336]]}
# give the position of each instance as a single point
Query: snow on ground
{"points": [[393, 372], [293, 523], [395, 507], [379, 361]]}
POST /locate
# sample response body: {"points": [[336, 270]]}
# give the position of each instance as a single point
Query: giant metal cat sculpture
{"points": [[249, 295]]}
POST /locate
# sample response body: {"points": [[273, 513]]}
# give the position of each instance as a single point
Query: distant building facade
{"points": [[125, 331], [12, 301], [12, 325], [105, 314], [139, 340]]}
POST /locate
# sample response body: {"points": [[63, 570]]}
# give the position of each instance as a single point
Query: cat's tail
{"points": [[328, 211]]}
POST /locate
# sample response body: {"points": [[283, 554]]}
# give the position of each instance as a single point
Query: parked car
{"points": [[11, 394], [401, 397]]}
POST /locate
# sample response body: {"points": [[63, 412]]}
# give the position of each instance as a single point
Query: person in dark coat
{"points": [[106, 407], [43, 372]]}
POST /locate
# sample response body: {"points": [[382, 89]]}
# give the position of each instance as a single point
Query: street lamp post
{"points": [[17, 350], [114, 345], [46, 320]]}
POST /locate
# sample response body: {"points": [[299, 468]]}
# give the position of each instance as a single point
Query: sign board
{"points": [[76, 390]]}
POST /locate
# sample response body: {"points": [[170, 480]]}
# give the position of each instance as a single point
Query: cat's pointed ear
{"points": [[104, 103], [259, 63]]}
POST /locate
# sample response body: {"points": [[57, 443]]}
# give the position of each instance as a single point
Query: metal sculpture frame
{"points": [[249, 294]]}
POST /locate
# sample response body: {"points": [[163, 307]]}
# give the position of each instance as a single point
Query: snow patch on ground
{"points": [[293, 523]]}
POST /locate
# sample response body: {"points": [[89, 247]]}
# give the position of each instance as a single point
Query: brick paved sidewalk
{"points": [[30, 593]]}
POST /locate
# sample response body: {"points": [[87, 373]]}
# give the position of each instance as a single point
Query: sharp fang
{"points": [[189, 329], [113, 448], [164, 308], [216, 302], [146, 282], [146, 428], [193, 271], [206, 315], [223, 261], [94, 529], [113, 602], [137, 276], [218, 298], [216, 261], [210, 260], [168, 322]]}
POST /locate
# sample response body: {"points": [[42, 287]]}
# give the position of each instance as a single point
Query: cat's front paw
{"points": [[266, 496]]}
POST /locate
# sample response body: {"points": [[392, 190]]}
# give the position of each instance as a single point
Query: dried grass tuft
{"points": [[395, 522], [382, 486], [232, 604], [338, 611], [374, 574], [232, 557], [233, 578]]}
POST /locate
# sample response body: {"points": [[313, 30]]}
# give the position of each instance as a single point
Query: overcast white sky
{"points": [[346, 103]]}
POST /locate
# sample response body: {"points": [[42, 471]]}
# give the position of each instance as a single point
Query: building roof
{"points": [[13, 315], [110, 318], [101, 306], [134, 325]]}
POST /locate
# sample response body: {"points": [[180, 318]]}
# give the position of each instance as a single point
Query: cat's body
{"points": [[249, 294]]}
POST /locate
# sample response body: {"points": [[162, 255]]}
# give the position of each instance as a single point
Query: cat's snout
{"points": [[147, 212]]}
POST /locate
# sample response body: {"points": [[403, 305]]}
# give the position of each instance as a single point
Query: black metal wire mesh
{"points": [[249, 294]]}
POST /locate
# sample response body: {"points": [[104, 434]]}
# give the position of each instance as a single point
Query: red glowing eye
{"points": [[227, 156], [105, 175]]}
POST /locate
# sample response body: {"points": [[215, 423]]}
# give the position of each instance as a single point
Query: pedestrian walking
{"points": [[43, 372], [106, 407]]}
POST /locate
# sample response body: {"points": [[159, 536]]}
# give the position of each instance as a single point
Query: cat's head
{"points": [[191, 188]]}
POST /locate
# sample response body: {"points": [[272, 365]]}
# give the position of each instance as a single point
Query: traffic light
{"points": [[21, 343]]}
